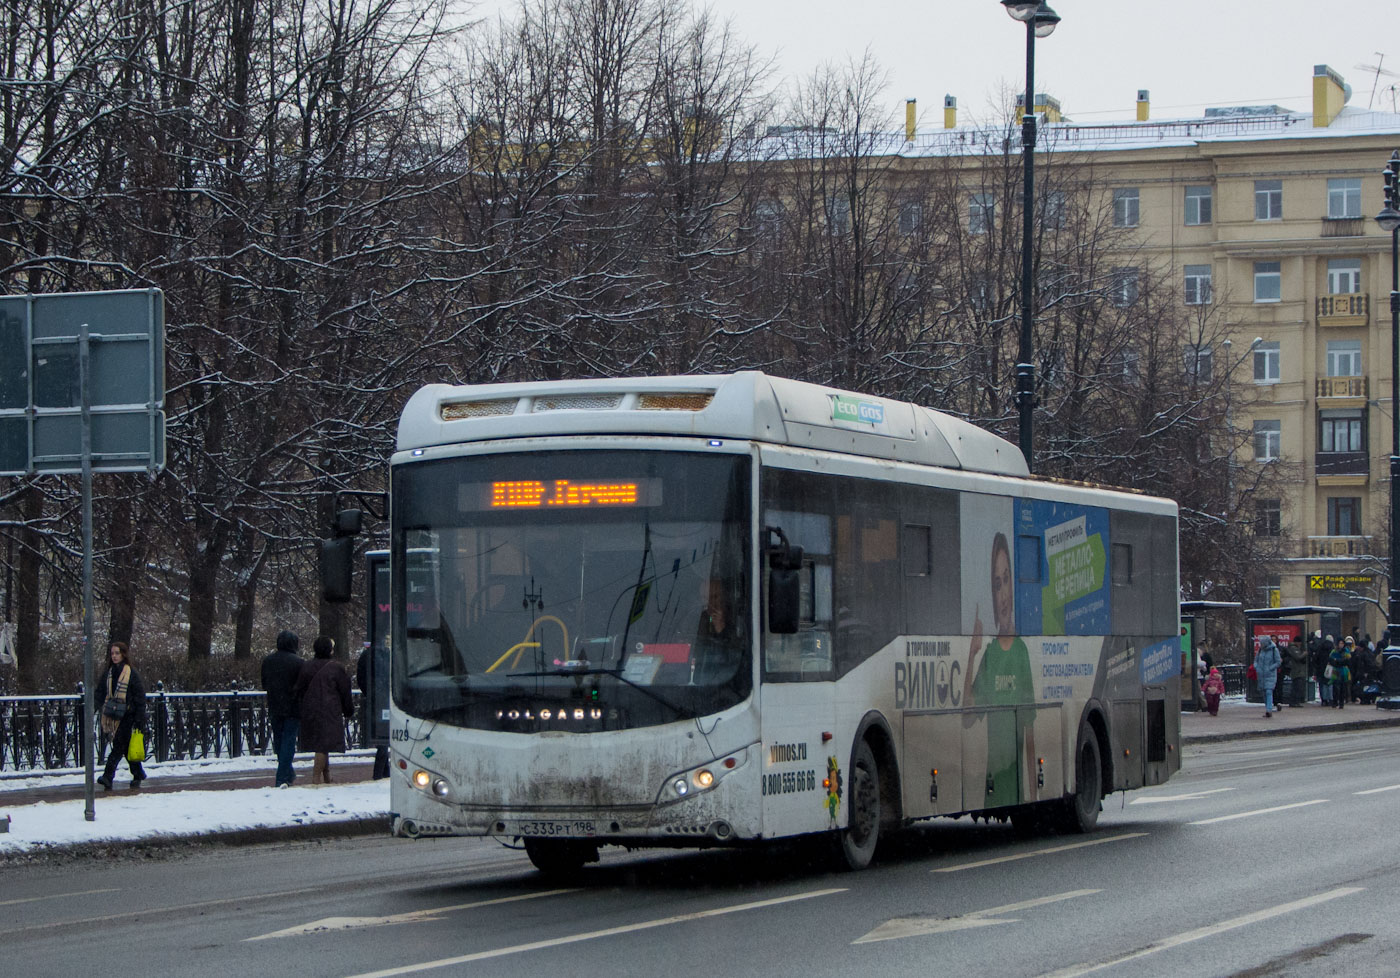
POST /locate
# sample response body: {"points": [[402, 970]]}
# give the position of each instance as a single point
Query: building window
{"points": [[1125, 207], [1344, 516], [1268, 518], [1344, 358], [1132, 365], [768, 217], [1344, 197], [980, 291], [1341, 431], [1123, 287], [1198, 205], [1268, 200], [1055, 209], [1197, 285], [911, 217], [1268, 436], [1266, 363], [1343, 276], [981, 213], [838, 214], [1198, 363], [1268, 281]]}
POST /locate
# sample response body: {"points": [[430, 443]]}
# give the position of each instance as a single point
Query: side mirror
{"points": [[784, 600], [784, 584], [337, 557]]}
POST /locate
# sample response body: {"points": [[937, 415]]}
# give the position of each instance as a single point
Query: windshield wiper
{"points": [[680, 711]]}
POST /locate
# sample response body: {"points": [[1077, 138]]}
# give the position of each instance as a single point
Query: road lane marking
{"points": [[499, 952], [1349, 753], [1037, 852], [1190, 796], [349, 923], [57, 896], [1259, 811], [899, 927], [1376, 791], [1208, 931]]}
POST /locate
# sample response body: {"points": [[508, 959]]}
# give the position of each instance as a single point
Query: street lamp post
{"points": [[1040, 21], [1389, 220]]}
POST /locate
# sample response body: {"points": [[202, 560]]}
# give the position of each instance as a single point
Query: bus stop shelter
{"points": [[1284, 625], [1193, 615]]}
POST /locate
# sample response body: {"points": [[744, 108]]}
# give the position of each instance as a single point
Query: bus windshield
{"points": [[571, 590]]}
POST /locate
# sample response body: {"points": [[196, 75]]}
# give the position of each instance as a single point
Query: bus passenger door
{"points": [[933, 777]]}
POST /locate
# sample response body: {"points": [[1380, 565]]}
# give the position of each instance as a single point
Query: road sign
{"points": [[41, 403]]}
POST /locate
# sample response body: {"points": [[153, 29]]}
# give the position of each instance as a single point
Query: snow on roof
{"points": [[1242, 123]]}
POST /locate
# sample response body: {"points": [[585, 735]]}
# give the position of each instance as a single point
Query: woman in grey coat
{"points": [[1266, 665]]}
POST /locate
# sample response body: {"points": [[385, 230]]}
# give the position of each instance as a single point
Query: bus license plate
{"points": [[548, 828]]}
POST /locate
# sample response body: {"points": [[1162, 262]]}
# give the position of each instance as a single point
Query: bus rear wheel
{"points": [[857, 841], [1079, 812], [560, 857]]}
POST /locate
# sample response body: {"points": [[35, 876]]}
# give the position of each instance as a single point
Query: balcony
{"points": [[1347, 309], [1337, 546], [1343, 227], [1343, 463], [1343, 387]]}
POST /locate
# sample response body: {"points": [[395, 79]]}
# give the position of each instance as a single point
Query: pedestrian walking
{"points": [[1297, 666], [280, 671], [121, 703], [1212, 689], [323, 695], [1339, 665], [380, 655], [1266, 666]]}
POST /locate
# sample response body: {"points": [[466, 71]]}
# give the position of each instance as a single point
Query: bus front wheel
{"points": [[560, 857], [857, 841], [1080, 811]]}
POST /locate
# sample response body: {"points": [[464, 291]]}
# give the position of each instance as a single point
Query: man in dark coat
{"points": [[280, 670]]}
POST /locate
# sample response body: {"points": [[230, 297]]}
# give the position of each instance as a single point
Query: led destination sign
{"points": [[560, 494]]}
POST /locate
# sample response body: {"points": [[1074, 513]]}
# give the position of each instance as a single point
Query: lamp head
{"points": [[1022, 10], [1388, 219], [1045, 21]]}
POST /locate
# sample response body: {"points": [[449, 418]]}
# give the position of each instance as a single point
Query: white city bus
{"points": [[710, 610]]}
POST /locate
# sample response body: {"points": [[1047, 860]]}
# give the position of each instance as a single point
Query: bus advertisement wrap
{"points": [[1062, 553]]}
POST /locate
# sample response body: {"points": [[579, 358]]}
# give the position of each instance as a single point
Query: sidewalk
{"points": [[1238, 719]]}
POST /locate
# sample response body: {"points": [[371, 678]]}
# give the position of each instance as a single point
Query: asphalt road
{"points": [[1265, 857]]}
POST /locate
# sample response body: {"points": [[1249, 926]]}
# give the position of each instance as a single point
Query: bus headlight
{"points": [[434, 784], [702, 778]]}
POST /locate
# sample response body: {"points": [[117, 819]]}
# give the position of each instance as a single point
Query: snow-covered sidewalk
{"points": [[127, 815]]}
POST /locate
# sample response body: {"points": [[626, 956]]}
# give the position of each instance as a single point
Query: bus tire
{"points": [[1079, 812], [560, 857], [857, 841]]}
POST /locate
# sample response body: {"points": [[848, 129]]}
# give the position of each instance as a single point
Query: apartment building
{"points": [[1267, 216]]}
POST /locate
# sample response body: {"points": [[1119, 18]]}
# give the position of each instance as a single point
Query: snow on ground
{"points": [[122, 814], [11, 781]]}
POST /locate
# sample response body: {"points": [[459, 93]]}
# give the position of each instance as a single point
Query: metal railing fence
{"points": [[45, 732]]}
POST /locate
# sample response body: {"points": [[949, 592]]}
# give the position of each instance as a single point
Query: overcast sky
{"points": [[1208, 52]]}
